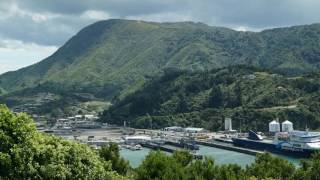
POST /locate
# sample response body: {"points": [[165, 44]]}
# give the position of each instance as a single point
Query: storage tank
{"points": [[287, 126], [227, 124], [274, 126]]}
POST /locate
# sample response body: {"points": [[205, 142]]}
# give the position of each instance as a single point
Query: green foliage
{"points": [[215, 97], [183, 157], [158, 165], [111, 153], [309, 170], [251, 96], [267, 166], [27, 154], [205, 169]]}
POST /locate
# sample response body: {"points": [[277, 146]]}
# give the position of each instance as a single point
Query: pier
{"points": [[183, 145], [167, 148], [229, 141], [229, 147]]}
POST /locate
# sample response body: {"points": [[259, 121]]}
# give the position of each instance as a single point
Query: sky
{"points": [[31, 30]]}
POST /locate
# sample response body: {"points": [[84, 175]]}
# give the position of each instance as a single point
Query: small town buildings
{"points": [[174, 129], [136, 139], [194, 130]]}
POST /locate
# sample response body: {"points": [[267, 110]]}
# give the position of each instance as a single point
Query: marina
{"points": [[136, 143], [219, 147]]}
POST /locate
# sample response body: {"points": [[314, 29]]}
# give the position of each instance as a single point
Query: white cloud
{"points": [[17, 54], [13, 10], [95, 15]]}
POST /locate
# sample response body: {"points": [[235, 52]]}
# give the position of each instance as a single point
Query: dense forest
{"points": [[26, 153], [251, 96]]}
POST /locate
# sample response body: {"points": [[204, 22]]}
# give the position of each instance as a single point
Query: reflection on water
{"points": [[220, 156]]}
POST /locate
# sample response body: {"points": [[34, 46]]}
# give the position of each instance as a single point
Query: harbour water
{"points": [[220, 156], [134, 157]]}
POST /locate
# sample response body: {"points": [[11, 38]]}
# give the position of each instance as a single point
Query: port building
{"points": [[174, 129], [194, 130], [136, 139]]}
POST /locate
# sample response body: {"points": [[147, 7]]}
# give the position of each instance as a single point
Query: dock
{"points": [[229, 141], [229, 147], [159, 147], [167, 148], [189, 146]]}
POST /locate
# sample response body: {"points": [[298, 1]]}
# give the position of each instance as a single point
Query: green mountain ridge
{"points": [[114, 58], [122, 52], [250, 96]]}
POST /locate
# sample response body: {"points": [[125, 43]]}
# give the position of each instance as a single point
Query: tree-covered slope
{"points": [[115, 56], [251, 96]]}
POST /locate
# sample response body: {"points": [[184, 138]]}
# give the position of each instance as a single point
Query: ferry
{"points": [[293, 143]]}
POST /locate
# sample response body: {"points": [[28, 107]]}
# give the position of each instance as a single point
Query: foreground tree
{"points": [[268, 166], [205, 169], [158, 165], [182, 157], [27, 154], [309, 170], [111, 153]]}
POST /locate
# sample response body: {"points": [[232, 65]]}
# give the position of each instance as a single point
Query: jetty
{"points": [[230, 147], [183, 144], [167, 148]]}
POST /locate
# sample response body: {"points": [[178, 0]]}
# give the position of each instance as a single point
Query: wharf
{"points": [[230, 147], [167, 148], [189, 146], [159, 147], [229, 141]]}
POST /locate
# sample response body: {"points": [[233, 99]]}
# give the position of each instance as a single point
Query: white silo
{"points": [[227, 124], [287, 126], [274, 126]]}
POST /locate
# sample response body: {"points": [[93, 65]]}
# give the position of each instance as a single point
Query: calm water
{"points": [[134, 157], [221, 156]]}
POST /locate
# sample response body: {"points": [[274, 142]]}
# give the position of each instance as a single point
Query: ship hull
{"points": [[273, 148]]}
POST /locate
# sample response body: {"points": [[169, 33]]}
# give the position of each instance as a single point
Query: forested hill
{"points": [[115, 56], [250, 96]]}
